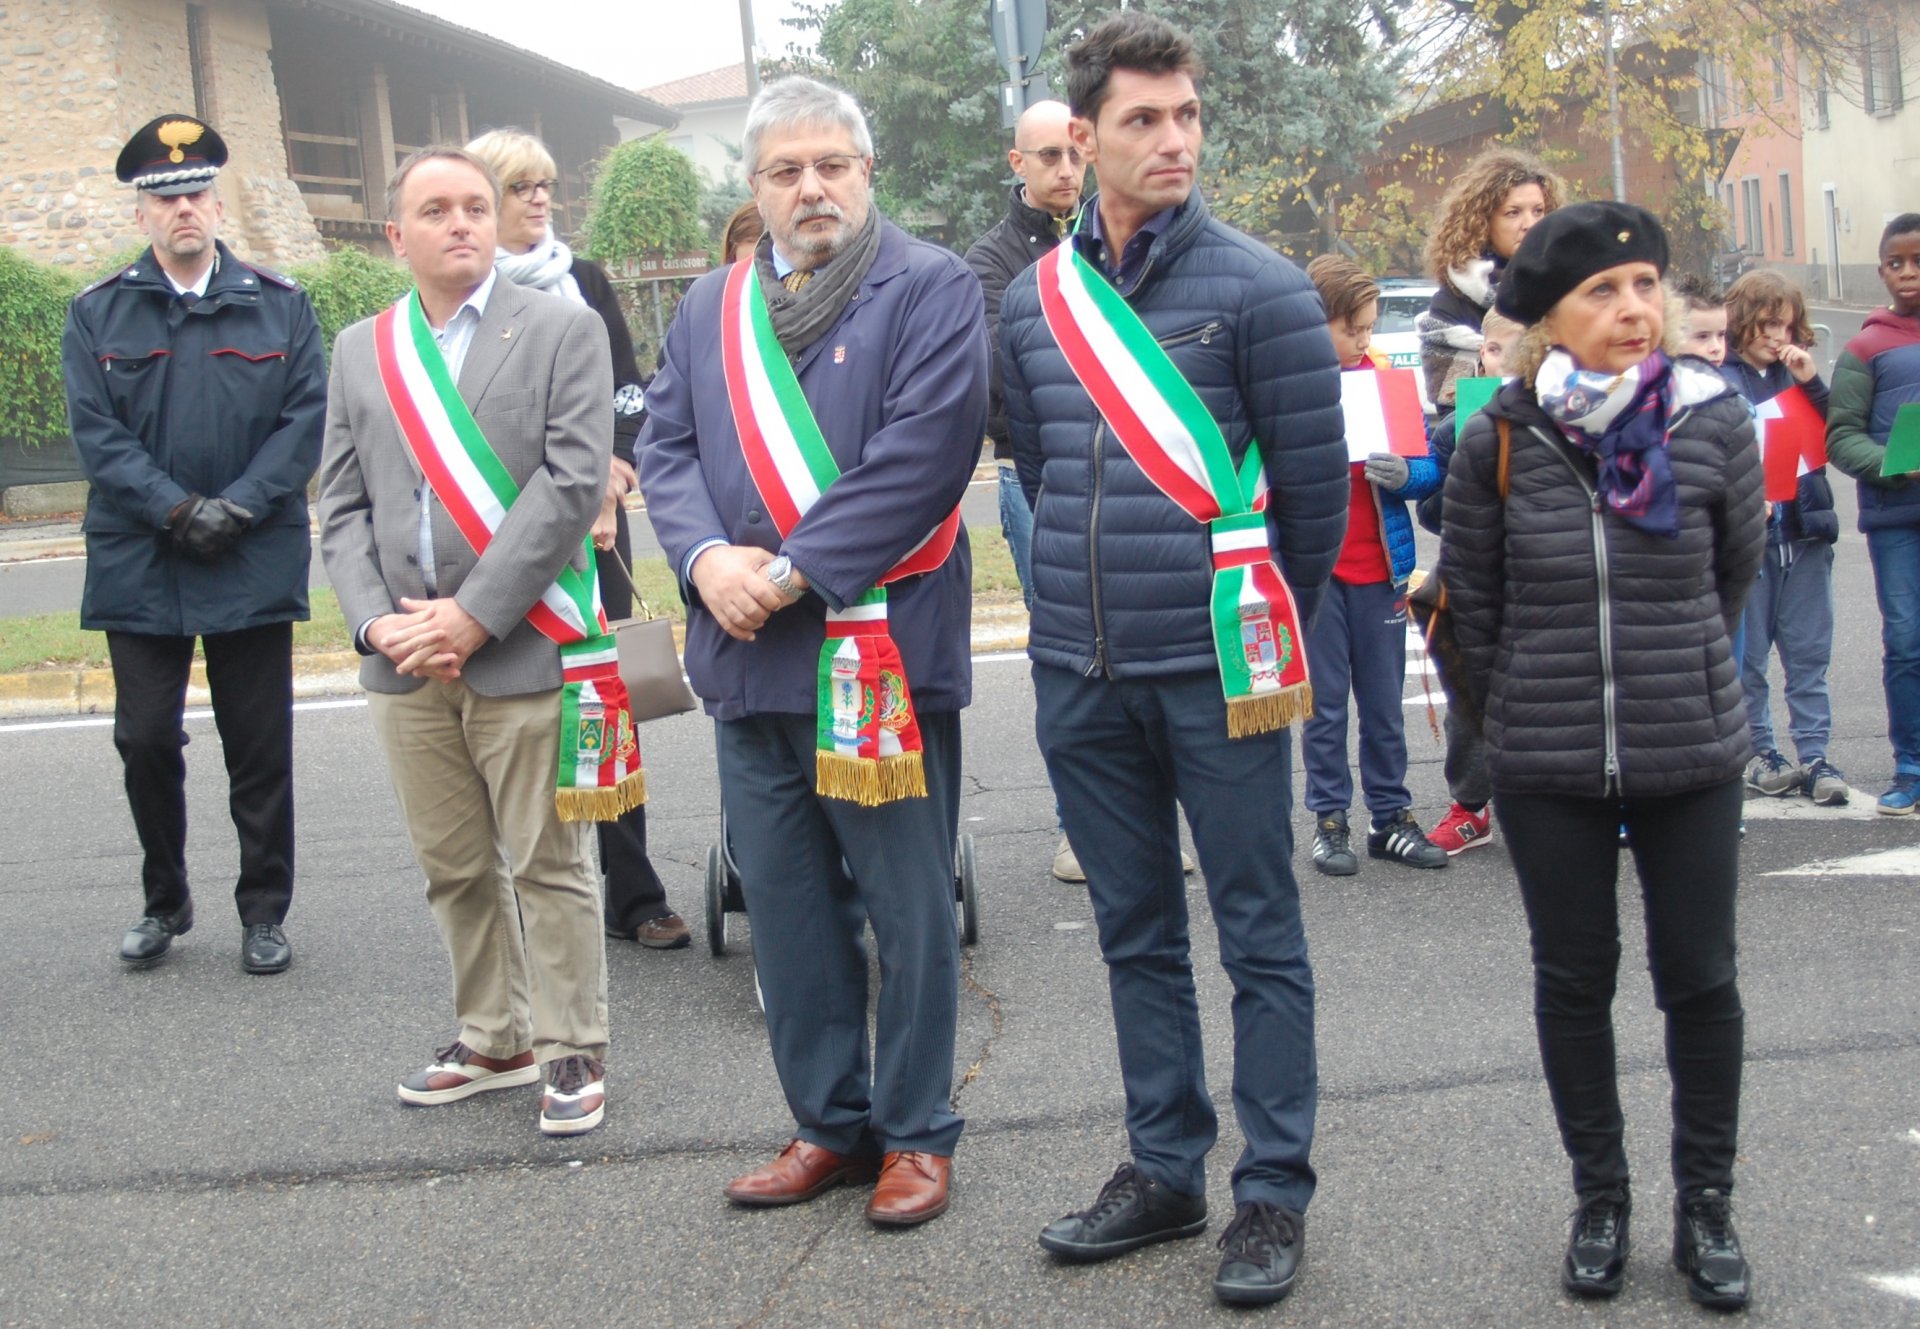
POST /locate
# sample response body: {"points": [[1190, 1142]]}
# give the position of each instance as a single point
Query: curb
{"points": [[41, 693]]}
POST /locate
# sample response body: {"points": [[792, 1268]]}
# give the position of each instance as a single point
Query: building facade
{"points": [[713, 115], [318, 101]]}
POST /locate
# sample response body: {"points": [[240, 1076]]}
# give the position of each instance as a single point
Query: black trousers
{"points": [[1686, 849], [250, 674], [635, 893]]}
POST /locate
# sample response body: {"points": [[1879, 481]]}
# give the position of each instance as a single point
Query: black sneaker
{"points": [[1402, 841], [1597, 1248], [1332, 848], [1707, 1250], [1131, 1211], [1264, 1245]]}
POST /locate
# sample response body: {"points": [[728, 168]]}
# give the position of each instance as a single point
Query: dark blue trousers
{"points": [[1124, 757], [1357, 645], [794, 850]]}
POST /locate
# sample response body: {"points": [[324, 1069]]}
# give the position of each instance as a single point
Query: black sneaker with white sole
{"points": [[1402, 841], [1332, 846]]}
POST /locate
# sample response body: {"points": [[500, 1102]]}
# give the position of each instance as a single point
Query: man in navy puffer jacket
{"points": [[1128, 688]]}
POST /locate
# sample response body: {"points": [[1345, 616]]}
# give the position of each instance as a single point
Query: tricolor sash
{"points": [[1170, 435], [868, 750], [599, 774]]}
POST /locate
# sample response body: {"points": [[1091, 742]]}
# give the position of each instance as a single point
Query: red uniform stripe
{"points": [[766, 476]]}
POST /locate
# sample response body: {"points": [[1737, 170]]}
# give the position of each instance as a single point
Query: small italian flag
{"points": [[1793, 441], [1382, 407]]}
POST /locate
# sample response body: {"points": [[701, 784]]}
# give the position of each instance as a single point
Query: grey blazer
{"points": [[539, 382]]}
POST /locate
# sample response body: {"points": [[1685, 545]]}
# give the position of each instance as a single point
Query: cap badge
{"points": [[1625, 236], [178, 134]]}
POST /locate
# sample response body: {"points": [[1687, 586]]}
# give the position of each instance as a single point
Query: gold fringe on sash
{"points": [[1268, 711], [602, 804], [868, 782]]}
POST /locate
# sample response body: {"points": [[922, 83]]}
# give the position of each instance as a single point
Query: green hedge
{"points": [[346, 286]]}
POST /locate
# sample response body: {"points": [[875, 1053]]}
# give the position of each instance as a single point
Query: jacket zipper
{"points": [[1609, 699], [1099, 665]]}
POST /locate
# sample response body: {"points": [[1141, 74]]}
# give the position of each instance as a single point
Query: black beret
{"points": [[1566, 247], [174, 154]]}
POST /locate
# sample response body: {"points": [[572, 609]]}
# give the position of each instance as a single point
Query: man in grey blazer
{"points": [[463, 690]]}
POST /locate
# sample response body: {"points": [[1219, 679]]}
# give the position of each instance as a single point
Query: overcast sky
{"points": [[634, 43]]}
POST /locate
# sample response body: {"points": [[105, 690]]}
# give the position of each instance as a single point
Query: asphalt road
{"points": [[53, 585], [189, 1145]]}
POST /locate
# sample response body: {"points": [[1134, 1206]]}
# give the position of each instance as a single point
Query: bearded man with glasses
{"points": [[808, 439]]}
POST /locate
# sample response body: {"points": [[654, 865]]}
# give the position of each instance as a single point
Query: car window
{"points": [[1397, 312]]}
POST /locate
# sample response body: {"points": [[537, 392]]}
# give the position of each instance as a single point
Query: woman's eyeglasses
{"points": [[527, 188]]}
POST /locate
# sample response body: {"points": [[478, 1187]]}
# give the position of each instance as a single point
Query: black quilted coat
{"points": [[1121, 576], [1601, 652]]}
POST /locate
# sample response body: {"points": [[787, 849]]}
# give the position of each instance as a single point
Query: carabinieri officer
{"points": [[196, 390]]}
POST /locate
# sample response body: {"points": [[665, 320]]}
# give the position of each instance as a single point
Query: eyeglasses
{"points": [[1050, 157], [527, 188], [826, 170]]}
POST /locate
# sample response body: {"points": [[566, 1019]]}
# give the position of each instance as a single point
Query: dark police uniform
{"points": [[174, 398]]}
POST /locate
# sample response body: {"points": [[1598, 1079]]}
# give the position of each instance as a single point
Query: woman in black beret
{"points": [[1604, 519]]}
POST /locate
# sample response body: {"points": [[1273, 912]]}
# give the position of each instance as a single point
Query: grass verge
{"points": [[57, 641]]}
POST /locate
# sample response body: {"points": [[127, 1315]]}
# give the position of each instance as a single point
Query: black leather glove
{"points": [[210, 527]]}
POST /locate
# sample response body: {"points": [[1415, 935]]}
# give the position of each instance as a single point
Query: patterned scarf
{"points": [[1620, 420]]}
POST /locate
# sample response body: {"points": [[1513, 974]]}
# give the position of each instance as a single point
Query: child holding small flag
{"points": [[1870, 423], [1358, 642], [1791, 606]]}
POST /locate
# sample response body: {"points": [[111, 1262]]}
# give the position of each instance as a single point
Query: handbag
{"points": [[649, 665]]}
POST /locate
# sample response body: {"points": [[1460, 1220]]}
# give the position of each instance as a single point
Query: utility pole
{"points": [[746, 48], [1613, 103], [1019, 30]]}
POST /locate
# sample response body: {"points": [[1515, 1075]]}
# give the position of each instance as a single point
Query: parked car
{"points": [[1393, 336]]}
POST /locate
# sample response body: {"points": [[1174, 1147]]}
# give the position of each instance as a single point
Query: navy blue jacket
{"points": [[1810, 516], [1121, 575], [899, 388], [227, 399]]}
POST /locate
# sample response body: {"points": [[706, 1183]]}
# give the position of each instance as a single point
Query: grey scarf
{"points": [[800, 317]]}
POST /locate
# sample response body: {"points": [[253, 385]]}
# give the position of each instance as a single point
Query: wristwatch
{"points": [[780, 573]]}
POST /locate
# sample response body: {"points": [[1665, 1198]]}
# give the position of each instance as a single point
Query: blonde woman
{"points": [[530, 254]]}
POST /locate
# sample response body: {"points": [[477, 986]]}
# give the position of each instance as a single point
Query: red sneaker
{"points": [[1461, 830]]}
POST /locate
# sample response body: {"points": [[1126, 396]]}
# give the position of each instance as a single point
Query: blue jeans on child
{"points": [[1357, 646], [1791, 608], [1895, 553]]}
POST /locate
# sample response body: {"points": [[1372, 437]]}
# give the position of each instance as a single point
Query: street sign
{"points": [[664, 267], [1019, 32]]}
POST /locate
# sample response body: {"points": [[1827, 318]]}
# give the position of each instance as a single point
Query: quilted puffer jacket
{"points": [[1121, 575], [1601, 652]]}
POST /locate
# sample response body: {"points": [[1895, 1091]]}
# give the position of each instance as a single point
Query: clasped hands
{"points": [[431, 638], [205, 528], [733, 586]]}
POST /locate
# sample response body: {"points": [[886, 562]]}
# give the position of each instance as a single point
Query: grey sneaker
{"points": [[1824, 783], [1332, 846], [1773, 775]]}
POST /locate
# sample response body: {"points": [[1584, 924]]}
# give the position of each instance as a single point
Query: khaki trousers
{"points": [[512, 887]]}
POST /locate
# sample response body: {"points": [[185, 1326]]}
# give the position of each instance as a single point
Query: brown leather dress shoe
{"points": [[801, 1172], [913, 1188]]}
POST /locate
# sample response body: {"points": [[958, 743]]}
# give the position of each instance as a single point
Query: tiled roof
{"points": [[725, 84]]}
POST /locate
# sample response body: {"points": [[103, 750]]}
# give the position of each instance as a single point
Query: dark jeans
{"points": [[1357, 645], [1125, 757], [815, 872], [250, 677], [1895, 554], [1686, 848], [634, 894]]}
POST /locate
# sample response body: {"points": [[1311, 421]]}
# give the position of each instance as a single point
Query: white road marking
{"points": [[1886, 863], [1795, 808], [1901, 1285]]}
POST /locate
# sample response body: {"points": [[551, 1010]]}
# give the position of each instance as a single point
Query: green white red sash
{"points": [[599, 774], [868, 749], [1170, 435]]}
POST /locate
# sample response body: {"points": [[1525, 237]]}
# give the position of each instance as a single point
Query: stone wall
{"points": [[79, 76]]}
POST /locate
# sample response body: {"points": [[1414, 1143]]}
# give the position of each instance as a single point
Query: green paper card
{"points": [[1903, 442], [1470, 394]]}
